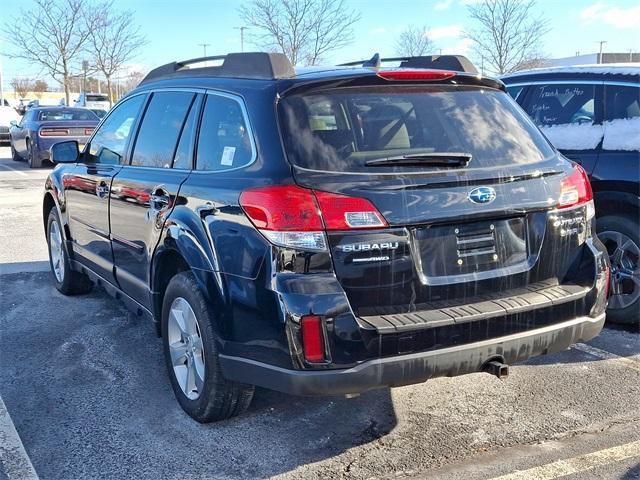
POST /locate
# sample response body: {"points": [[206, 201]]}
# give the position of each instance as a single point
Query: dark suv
{"points": [[327, 231], [591, 114]]}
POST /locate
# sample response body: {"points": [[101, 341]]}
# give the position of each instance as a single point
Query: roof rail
{"points": [[257, 65], [458, 63]]}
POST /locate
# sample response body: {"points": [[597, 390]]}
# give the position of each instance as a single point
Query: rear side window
{"points": [[515, 91], [348, 129], [160, 128], [224, 140], [621, 118], [566, 114]]}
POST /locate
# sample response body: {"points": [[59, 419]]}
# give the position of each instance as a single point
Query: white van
{"points": [[93, 100]]}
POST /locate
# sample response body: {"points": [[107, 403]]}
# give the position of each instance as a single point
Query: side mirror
{"points": [[13, 123], [64, 152]]}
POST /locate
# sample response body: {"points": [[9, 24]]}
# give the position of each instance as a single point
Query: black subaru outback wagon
{"points": [[327, 231]]}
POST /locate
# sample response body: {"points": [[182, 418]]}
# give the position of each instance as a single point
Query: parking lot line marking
{"points": [[19, 172], [578, 464], [15, 461], [604, 355]]}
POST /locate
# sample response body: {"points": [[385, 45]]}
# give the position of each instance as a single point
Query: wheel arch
{"points": [[179, 251]]}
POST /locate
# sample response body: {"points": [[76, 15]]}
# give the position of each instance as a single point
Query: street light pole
{"points": [[204, 46], [242, 29], [601, 42]]}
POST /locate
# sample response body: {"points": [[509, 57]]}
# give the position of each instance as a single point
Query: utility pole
{"points": [[601, 42], [242, 29], [204, 47]]}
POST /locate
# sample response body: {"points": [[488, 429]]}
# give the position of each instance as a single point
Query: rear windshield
{"points": [[344, 129], [58, 114], [97, 98]]}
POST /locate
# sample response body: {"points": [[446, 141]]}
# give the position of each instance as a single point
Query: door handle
{"points": [[159, 199], [102, 189]]}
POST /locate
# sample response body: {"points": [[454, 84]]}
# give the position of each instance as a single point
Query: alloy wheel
{"points": [[56, 252], [186, 348], [624, 255]]}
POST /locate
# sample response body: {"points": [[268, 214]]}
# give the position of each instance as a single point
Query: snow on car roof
{"points": [[610, 68]]}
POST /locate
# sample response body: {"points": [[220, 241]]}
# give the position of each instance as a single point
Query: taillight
{"points": [[342, 212], [407, 74], [312, 338], [575, 189], [296, 217], [88, 131], [54, 132]]}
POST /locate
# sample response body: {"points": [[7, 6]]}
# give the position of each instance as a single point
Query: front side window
{"points": [[357, 129], [566, 114], [224, 140], [621, 118], [109, 143], [160, 128]]}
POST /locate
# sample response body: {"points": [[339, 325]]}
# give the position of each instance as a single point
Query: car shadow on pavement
{"points": [[88, 392]]}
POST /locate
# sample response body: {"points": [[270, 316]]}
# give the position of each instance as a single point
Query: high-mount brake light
{"points": [[296, 217], [408, 75], [575, 189]]}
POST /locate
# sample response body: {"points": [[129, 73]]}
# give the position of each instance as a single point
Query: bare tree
{"points": [[508, 32], [529, 63], [304, 30], [113, 41], [39, 87], [52, 34], [22, 86], [414, 41]]}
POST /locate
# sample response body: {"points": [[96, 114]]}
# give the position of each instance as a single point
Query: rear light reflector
{"points": [[88, 131], [575, 189], [342, 212], [312, 338], [296, 217], [54, 132], [416, 74]]}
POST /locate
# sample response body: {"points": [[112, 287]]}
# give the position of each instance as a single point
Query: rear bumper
{"points": [[414, 367]]}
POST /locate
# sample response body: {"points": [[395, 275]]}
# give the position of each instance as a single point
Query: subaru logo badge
{"points": [[482, 195]]}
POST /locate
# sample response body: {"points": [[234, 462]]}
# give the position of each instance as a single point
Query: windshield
{"points": [[59, 114], [97, 98], [346, 129]]}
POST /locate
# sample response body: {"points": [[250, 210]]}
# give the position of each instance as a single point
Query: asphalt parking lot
{"points": [[84, 395]]}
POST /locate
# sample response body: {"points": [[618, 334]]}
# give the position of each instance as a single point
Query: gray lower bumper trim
{"points": [[415, 367]]}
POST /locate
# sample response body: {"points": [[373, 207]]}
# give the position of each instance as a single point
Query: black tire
{"points": [[608, 227], [71, 282], [33, 160], [220, 398], [14, 155]]}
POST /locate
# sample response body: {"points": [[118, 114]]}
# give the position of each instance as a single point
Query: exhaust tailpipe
{"points": [[497, 368]]}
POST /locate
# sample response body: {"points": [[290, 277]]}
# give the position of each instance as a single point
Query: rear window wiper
{"points": [[444, 159]]}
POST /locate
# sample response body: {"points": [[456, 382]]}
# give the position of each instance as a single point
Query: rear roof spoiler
{"points": [[254, 65], [458, 63]]}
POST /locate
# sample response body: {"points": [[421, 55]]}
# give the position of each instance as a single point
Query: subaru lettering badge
{"points": [[482, 195]]}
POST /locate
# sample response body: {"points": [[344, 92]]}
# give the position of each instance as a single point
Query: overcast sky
{"points": [[174, 28]]}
